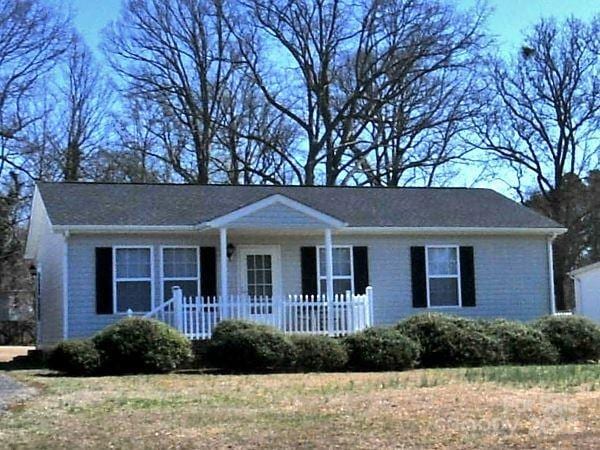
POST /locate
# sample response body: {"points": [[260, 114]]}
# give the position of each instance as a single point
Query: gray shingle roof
{"points": [[178, 204]]}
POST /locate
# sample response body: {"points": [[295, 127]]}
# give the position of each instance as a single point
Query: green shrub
{"points": [[378, 349], [522, 344], [200, 353], [77, 357], [450, 341], [241, 346], [138, 345], [577, 339], [318, 353]]}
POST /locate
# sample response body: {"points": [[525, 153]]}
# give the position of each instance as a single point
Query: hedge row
{"points": [[240, 346], [428, 340], [136, 345]]}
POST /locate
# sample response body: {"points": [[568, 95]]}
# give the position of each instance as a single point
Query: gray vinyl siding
{"points": [[511, 273], [277, 216], [50, 263]]}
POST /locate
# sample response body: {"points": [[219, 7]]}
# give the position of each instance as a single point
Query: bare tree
{"points": [[83, 103], [252, 137], [543, 117], [135, 126], [177, 54], [33, 36], [343, 72]]}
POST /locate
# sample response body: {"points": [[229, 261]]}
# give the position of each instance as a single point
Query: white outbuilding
{"points": [[587, 291]]}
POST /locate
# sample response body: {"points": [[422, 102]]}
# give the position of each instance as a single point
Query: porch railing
{"points": [[196, 317]]}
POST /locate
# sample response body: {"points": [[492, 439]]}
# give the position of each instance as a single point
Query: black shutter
{"points": [[467, 276], [308, 263], [208, 271], [360, 260], [418, 275], [104, 280]]}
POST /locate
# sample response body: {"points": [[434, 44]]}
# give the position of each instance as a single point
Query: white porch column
{"points": [[223, 260], [329, 281]]}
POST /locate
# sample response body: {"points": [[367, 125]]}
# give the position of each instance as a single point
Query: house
{"points": [[587, 291], [325, 260]]}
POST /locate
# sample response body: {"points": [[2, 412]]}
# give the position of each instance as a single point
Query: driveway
{"points": [[12, 391]]}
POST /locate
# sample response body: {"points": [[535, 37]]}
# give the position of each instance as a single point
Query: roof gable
{"points": [[276, 211]]}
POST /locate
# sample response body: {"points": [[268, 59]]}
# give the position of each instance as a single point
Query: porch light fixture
{"points": [[230, 250]]}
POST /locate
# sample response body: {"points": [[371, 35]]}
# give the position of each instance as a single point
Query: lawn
{"points": [[542, 407]]}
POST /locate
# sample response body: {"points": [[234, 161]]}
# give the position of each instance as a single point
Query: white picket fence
{"points": [[196, 317]]}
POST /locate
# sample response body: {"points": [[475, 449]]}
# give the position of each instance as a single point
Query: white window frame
{"points": [[457, 276], [335, 277], [116, 279], [163, 278]]}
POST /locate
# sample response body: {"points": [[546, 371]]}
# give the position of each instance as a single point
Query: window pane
{"points": [[133, 262], [134, 295], [443, 291], [190, 288], [180, 262], [442, 261], [341, 262], [339, 286]]}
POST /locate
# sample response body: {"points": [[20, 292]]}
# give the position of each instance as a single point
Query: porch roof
{"points": [[180, 205]]}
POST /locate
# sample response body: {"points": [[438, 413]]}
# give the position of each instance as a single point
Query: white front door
{"points": [[260, 279]]}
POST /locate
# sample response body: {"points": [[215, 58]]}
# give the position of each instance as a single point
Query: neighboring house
{"points": [[587, 291], [309, 259]]}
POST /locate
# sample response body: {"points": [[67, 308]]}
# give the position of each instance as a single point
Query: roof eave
{"points": [[95, 229], [575, 273], [540, 231]]}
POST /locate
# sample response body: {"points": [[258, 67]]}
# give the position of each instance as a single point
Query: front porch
{"points": [[331, 303], [196, 317]]}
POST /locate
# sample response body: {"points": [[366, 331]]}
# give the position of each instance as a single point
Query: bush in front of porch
{"points": [[313, 353], [241, 346]]}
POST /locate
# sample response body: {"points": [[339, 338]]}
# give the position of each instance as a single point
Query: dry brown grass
{"points": [[417, 409], [7, 353]]}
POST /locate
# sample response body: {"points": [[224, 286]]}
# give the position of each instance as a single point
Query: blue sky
{"points": [[509, 18]]}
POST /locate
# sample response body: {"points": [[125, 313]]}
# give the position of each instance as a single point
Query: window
{"points": [[443, 276], [180, 268], [133, 279], [343, 276]]}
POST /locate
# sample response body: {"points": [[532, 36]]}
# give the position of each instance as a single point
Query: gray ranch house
{"points": [[322, 260]]}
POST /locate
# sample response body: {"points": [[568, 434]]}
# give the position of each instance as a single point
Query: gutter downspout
{"points": [[551, 274]]}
